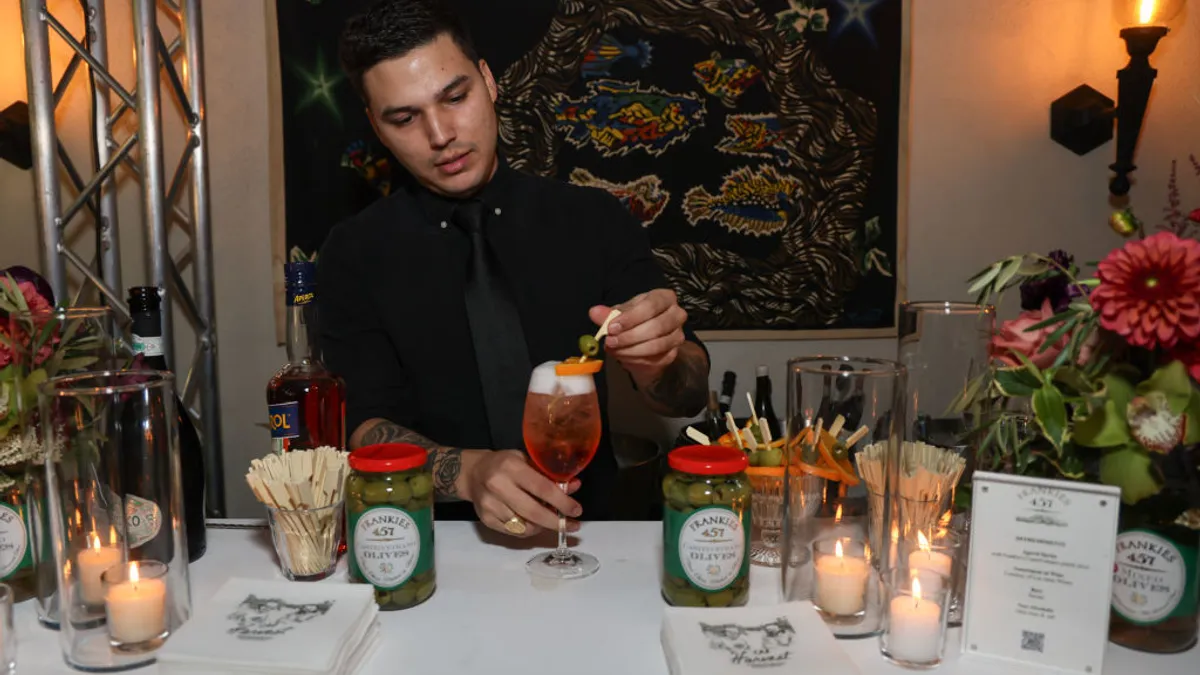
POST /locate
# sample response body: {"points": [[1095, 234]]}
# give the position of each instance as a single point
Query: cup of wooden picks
{"points": [[302, 491]]}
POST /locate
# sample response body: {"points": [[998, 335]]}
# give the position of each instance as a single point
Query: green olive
{"points": [[679, 493], [419, 503], [355, 504], [699, 494], [840, 451], [741, 597], [725, 493], [400, 494], [720, 598], [404, 596], [421, 485], [668, 484], [687, 597], [425, 590], [588, 346], [771, 457], [382, 597], [745, 490], [376, 492], [755, 457], [677, 582], [355, 483]]}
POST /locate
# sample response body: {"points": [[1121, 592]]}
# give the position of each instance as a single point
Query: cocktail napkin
{"points": [[261, 627], [783, 638]]}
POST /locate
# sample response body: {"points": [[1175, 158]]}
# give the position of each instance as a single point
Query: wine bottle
{"points": [[714, 424], [147, 502], [762, 402], [726, 398]]}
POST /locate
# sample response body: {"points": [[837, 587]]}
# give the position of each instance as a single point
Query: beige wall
{"points": [[985, 179]]}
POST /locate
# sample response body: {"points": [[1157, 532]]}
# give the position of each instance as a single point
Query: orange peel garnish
{"points": [[568, 368]]}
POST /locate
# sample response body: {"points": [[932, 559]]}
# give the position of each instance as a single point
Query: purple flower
{"points": [[1053, 286]]}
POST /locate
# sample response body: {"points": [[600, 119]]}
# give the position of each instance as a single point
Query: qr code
{"points": [[1033, 642]]}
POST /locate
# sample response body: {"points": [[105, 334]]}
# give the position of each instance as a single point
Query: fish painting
{"points": [[727, 79], [645, 197], [752, 201], [600, 59], [619, 117], [375, 170], [755, 136]]}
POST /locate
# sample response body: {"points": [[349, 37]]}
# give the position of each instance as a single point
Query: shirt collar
{"points": [[495, 195]]}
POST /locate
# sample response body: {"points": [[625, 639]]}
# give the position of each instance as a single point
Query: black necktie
{"points": [[500, 349]]}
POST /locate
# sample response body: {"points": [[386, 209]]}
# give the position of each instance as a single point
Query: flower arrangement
{"points": [[35, 345], [1097, 378]]}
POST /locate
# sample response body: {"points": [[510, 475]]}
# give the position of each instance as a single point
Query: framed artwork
{"points": [[761, 143]]}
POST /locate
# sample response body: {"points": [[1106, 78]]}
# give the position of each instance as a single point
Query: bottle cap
{"points": [[388, 457], [301, 280], [762, 371], [144, 299]]}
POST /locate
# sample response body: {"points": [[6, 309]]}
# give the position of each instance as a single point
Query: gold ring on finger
{"points": [[516, 525]]}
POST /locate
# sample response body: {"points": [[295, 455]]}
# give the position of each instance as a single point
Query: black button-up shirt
{"points": [[393, 320]]}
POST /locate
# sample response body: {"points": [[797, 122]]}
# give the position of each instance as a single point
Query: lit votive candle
{"points": [[914, 627], [841, 583], [135, 604], [925, 558], [90, 564]]}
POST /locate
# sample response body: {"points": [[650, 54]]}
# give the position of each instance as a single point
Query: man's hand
{"points": [[647, 335], [647, 340], [503, 484]]}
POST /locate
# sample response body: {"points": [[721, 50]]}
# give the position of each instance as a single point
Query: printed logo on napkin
{"points": [[712, 546], [143, 520], [762, 646], [13, 542], [268, 618]]}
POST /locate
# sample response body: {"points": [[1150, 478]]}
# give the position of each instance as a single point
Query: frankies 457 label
{"points": [[710, 546], [390, 545], [14, 549], [1153, 579], [285, 419]]}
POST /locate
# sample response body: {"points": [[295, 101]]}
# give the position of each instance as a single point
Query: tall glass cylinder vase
{"points": [[845, 417], [36, 343], [944, 348], [115, 500]]}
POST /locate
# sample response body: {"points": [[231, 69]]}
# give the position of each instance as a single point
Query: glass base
{"points": [[140, 647], [910, 665], [575, 565], [291, 576], [766, 556]]}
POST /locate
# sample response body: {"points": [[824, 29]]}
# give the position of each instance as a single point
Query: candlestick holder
{"points": [[842, 577], [135, 606], [838, 409], [915, 621], [115, 498], [939, 553]]}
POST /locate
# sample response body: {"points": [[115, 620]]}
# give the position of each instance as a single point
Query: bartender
{"points": [[436, 301]]}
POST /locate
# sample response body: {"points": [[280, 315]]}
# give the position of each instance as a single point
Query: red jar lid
{"points": [[708, 460], [388, 457]]}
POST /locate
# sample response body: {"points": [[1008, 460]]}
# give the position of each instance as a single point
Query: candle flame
{"points": [[838, 548], [922, 542], [1146, 11], [867, 552], [95, 541], [837, 517], [133, 572], [945, 521], [895, 533], [112, 536], [916, 589]]}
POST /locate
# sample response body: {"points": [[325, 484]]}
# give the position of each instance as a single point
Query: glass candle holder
{"points": [[8, 635], [937, 553], [135, 606], [841, 576], [307, 540], [914, 630]]}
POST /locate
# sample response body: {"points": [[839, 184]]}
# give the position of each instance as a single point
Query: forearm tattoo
{"points": [[446, 461], [682, 389]]}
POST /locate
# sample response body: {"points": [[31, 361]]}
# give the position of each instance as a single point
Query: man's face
{"points": [[433, 108]]}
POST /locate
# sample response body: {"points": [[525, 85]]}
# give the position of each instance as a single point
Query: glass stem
{"points": [[562, 553]]}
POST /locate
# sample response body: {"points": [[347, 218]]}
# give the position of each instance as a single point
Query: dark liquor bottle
{"points": [[714, 423], [147, 505], [306, 402], [762, 402], [726, 398]]}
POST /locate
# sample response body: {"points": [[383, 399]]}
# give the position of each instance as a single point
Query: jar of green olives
{"points": [[389, 513], [706, 527]]}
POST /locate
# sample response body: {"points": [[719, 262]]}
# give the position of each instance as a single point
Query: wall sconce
{"points": [[1082, 119]]}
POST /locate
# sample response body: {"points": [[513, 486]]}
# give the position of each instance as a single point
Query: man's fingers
{"points": [[532, 511], [650, 349], [670, 321], [640, 309], [495, 514]]}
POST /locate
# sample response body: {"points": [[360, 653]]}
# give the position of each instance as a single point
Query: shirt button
{"points": [[444, 225], [497, 211]]}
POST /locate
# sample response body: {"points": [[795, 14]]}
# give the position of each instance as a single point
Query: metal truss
{"points": [[142, 154]]}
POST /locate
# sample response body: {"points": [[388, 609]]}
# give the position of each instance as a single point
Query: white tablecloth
{"points": [[487, 615]]}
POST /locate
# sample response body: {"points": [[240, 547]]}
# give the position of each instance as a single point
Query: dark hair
{"points": [[392, 28]]}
